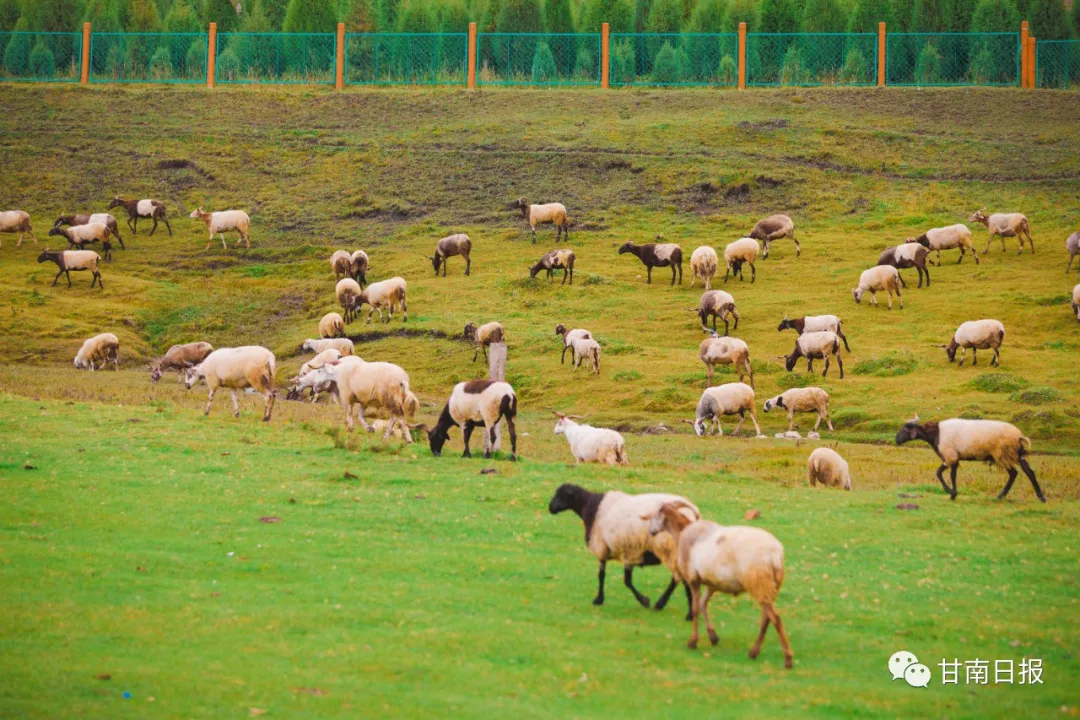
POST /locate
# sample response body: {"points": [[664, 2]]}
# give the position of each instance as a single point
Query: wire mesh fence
{"points": [[40, 56], [300, 58], [930, 59], [406, 58], [811, 59], [1057, 63], [148, 57], [538, 59], [674, 59]]}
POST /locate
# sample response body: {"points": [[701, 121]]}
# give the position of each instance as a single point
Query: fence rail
{"points": [[40, 56], [1057, 64], [538, 59], [406, 58], [942, 59], [674, 59]]}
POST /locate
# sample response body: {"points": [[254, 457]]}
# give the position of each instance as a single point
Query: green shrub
{"points": [[627, 376], [42, 62], [670, 65], [195, 60], [793, 70], [585, 66], [928, 66], [623, 64], [728, 70], [228, 65], [543, 66], [998, 382], [891, 365], [1037, 396], [594, 279], [795, 380], [855, 69], [17, 53], [161, 63]]}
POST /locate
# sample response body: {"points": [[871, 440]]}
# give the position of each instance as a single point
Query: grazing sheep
{"points": [[85, 219], [775, 227], [1076, 302], [448, 247], [360, 266], [586, 348], [977, 335], [218, 223], [907, 255], [305, 381], [731, 560], [727, 399], [716, 303], [815, 323], [656, 255], [341, 263], [814, 345], [739, 252], [808, 399], [318, 345], [615, 530], [327, 355], [249, 366], [69, 260], [384, 294], [998, 443], [472, 403], [16, 221], [825, 466], [80, 236], [703, 264], [716, 350], [1072, 246], [98, 351], [947, 238], [492, 332], [347, 291], [590, 444], [363, 384], [554, 260], [180, 358], [142, 208], [332, 325], [879, 277], [568, 336], [1004, 225], [543, 215]]}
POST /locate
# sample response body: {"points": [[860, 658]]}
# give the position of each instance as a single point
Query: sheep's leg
{"points": [[1030, 241], [1003, 244], [662, 602], [903, 282], [926, 270], [825, 372], [791, 420], [673, 275], [753, 418], [58, 274], [513, 437], [713, 637], [235, 404], [67, 274], [952, 476], [209, 401], [941, 478], [963, 353], [839, 362], [565, 274], [749, 371], [798, 248], [599, 599], [974, 356], [1008, 484], [562, 360], [765, 254], [695, 277], [466, 433], [270, 397], [476, 352], [961, 258], [753, 273], [738, 425], [135, 227], [534, 234], [648, 272], [1069, 266], [692, 644], [844, 338], [974, 254], [468, 264], [628, 580], [167, 225], [727, 273], [155, 226], [809, 364], [996, 360], [789, 656], [1031, 476], [708, 375], [223, 245], [756, 649]]}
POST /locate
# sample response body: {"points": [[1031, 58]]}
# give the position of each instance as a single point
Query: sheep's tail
{"points": [[620, 455], [763, 582], [1025, 445]]}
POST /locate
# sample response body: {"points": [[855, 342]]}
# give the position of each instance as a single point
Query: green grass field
{"points": [[399, 584]]}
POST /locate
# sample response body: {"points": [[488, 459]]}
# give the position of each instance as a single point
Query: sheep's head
{"points": [[979, 216], [470, 331], [437, 438], [784, 324], [116, 202], [699, 426], [535, 269], [777, 401], [308, 346], [155, 373], [950, 350], [857, 293], [197, 213], [560, 329], [789, 361], [192, 376], [436, 261], [567, 497], [55, 230], [911, 430], [565, 421], [627, 247], [45, 255], [81, 363]]}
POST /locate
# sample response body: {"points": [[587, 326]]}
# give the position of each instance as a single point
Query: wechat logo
{"points": [[904, 665]]}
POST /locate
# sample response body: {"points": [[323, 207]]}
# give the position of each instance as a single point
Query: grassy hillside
{"points": [[416, 585]]}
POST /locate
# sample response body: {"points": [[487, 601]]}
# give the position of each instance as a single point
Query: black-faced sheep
{"points": [[73, 260], [656, 255], [473, 403], [554, 260], [82, 236], [568, 336], [815, 323], [142, 208], [813, 346], [448, 247], [907, 255], [977, 335]]}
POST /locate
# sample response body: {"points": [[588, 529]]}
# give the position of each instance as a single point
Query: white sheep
{"points": [[808, 399], [98, 351], [977, 335], [617, 528], [473, 403], [825, 466], [1076, 302], [739, 252], [586, 348], [591, 444], [218, 223], [727, 399], [725, 350], [360, 266], [317, 345], [815, 323], [1004, 225], [327, 355], [775, 227], [249, 366], [180, 358], [947, 238], [548, 213], [331, 326], [999, 443], [341, 263], [347, 291], [483, 336], [385, 294], [568, 336], [16, 221], [812, 346], [1072, 246], [370, 384], [879, 277], [80, 236], [703, 264], [730, 560]]}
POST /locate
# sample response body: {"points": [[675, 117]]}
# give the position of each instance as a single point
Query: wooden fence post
{"points": [[211, 56], [742, 56], [497, 372], [881, 54], [339, 73], [84, 78], [471, 80], [1031, 60], [1023, 54], [605, 55]]}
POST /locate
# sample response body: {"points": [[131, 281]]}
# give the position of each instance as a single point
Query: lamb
{"points": [[318, 345], [813, 345], [730, 560], [615, 531], [218, 223], [739, 252], [331, 326], [879, 277], [1072, 246], [775, 227], [448, 247], [385, 294], [16, 221], [998, 443], [492, 332], [825, 466], [544, 214], [1076, 302], [977, 335], [590, 444], [716, 350], [1004, 225], [304, 380], [69, 260], [815, 323], [142, 208], [180, 358], [907, 255], [568, 336], [85, 219], [947, 238], [703, 264], [79, 236], [586, 348], [716, 303], [656, 255], [360, 266], [554, 260], [98, 351], [472, 403], [347, 291], [249, 366], [363, 384], [728, 399], [808, 399], [327, 355], [341, 263]]}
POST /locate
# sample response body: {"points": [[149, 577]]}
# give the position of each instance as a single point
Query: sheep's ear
{"points": [[916, 418]]}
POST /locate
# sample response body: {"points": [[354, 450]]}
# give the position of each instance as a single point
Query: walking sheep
{"points": [[341, 263], [1072, 246], [996, 442], [739, 252], [384, 294], [99, 351], [907, 255], [812, 346], [586, 348], [568, 336], [703, 264], [363, 384], [483, 336], [977, 335], [808, 399], [554, 260], [332, 325], [880, 277], [716, 350], [550, 213], [16, 221], [305, 380], [180, 358], [218, 223], [73, 260], [716, 303], [360, 266], [473, 403], [656, 255], [1004, 225], [615, 530], [947, 238], [1076, 301], [825, 466], [775, 227], [86, 219], [727, 399], [448, 247], [590, 444], [249, 366], [347, 292], [142, 208], [80, 236], [815, 323]]}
